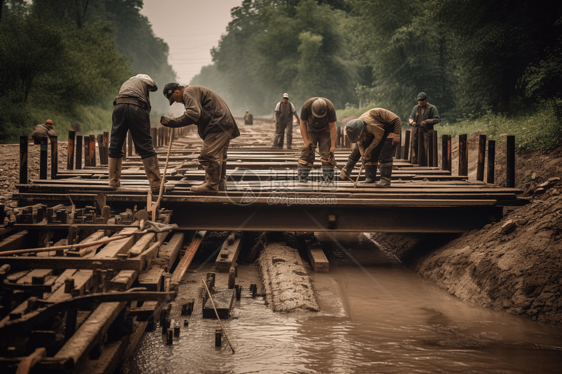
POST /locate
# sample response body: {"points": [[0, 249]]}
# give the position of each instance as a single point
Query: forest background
{"points": [[487, 66]]}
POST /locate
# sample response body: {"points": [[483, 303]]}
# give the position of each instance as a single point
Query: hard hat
{"points": [[49, 121], [353, 129], [319, 108]]}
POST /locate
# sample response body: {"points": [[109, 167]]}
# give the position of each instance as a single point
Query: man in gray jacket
{"points": [[131, 112], [283, 116]]}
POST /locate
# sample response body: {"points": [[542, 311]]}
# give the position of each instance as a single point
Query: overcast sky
{"points": [[191, 28]]}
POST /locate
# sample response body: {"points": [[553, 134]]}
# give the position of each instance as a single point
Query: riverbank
{"points": [[514, 265]]}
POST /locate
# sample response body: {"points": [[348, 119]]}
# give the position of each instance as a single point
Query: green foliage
{"points": [[539, 130], [65, 60]]}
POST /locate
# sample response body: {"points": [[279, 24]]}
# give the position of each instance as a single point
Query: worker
{"points": [[424, 116], [248, 118], [131, 112], [376, 132], [215, 125], [43, 130], [318, 129], [283, 117]]}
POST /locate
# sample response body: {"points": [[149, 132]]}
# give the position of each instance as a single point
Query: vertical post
{"points": [[86, 151], [70, 150], [435, 149], [510, 169], [398, 153], [406, 151], [449, 153], [79, 139], [422, 157], [463, 155], [105, 142], [54, 156], [43, 158], [430, 149], [99, 139], [491, 160], [129, 144], [481, 157], [444, 144], [23, 159], [92, 150], [414, 152]]}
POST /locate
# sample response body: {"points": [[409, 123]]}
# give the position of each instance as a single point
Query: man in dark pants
{"points": [[424, 116], [283, 116], [215, 125], [377, 132], [318, 129], [131, 112]]}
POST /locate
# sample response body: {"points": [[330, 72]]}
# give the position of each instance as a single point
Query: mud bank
{"points": [[514, 265]]}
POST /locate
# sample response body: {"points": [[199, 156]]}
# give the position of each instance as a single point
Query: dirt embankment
{"points": [[10, 166], [514, 265]]}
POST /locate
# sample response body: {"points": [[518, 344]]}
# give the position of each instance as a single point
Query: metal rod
{"points": [[481, 157], [62, 247], [163, 181], [491, 160], [217, 314], [406, 151], [23, 159], [358, 175], [449, 153]]}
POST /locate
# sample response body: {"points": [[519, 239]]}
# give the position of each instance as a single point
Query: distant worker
{"points": [[215, 125], [376, 132], [424, 116], [248, 118], [43, 130], [318, 129], [283, 117], [131, 112]]}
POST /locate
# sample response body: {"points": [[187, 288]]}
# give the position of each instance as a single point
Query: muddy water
{"points": [[376, 318]]}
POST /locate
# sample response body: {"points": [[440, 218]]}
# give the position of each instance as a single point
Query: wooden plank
{"points": [[69, 263], [112, 249], [223, 299], [123, 280], [142, 244], [152, 279], [228, 255], [81, 252], [187, 258], [317, 258], [15, 241], [168, 254]]}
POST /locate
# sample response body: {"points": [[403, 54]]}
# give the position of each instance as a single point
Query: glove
{"points": [[367, 156], [165, 120]]}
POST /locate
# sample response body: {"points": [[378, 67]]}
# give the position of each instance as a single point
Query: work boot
{"points": [[370, 173], [152, 173], [222, 183], [345, 173], [386, 174], [212, 180], [115, 166]]}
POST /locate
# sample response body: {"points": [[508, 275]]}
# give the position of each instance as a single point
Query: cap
{"points": [[49, 121], [422, 96], [285, 95], [319, 108], [169, 89]]}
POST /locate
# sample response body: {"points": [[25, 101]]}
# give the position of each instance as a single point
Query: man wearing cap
{"points": [[376, 132], [248, 118], [215, 125], [318, 129], [283, 116], [424, 116], [131, 112], [43, 130]]}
